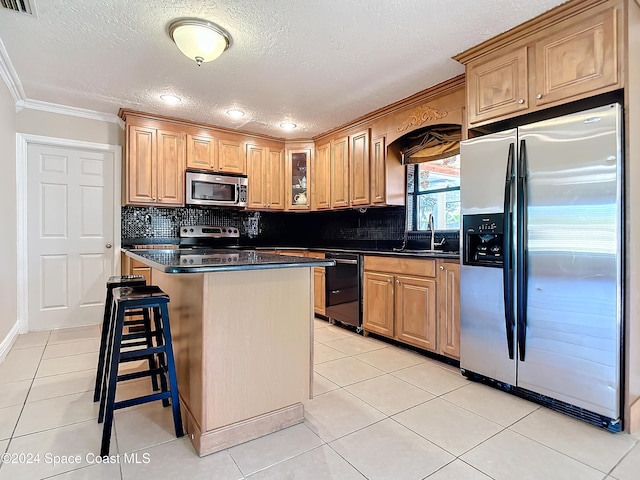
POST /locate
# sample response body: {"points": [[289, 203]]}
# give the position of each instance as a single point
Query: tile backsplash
{"points": [[164, 223], [269, 228]]}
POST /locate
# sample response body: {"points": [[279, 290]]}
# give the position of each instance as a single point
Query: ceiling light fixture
{"points": [[170, 99], [288, 125], [200, 40], [235, 113]]}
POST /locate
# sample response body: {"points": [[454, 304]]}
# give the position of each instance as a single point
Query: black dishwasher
{"points": [[343, 289]]}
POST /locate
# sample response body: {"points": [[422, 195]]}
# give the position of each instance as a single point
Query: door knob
{"points": [[108, 245]]}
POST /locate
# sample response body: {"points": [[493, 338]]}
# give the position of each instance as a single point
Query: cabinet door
{"points": [[449, 309], [378, 309], [202, 152], [139, 268], [274, 175], [231, 157], [298, 162], [359, 168], [140, 176], [497, 86], [340, 172], [416, 311], [378, 170], [320, 177], [170, 167], [319, 290], [577, 60], [255, 177]]}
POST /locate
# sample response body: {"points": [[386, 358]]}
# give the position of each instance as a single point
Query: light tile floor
{"points": [[379, 412]]}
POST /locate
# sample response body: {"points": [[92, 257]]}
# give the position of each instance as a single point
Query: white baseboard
{"points": [[8, 341]]}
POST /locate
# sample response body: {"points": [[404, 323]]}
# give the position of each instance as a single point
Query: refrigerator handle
{"points": [[507, 268], [522, 250]]}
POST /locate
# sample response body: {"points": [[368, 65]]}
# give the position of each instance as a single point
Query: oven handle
{"points": [[348, 262]]}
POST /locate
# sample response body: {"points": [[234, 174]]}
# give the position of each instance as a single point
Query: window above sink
{"points": [[434, 188]]}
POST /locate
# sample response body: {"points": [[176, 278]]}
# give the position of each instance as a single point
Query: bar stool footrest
{"points": [[146, 373], [139, 400]]}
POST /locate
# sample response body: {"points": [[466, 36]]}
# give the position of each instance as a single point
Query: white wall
{"points": [[38, 122], [8, 286]]}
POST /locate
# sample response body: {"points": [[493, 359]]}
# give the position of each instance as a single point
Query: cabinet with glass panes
{"points": [[298, 163]]}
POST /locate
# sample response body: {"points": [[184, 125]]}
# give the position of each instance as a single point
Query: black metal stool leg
{"points": [[171, 371], [103, 344], [151, 358], [112, 376], [158, 323]]}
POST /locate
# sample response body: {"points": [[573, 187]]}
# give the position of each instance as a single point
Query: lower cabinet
{"points": [[449, 308], [414, 301], [134, 267]]}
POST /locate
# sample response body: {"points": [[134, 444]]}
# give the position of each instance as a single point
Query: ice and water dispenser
{"points": [[483, 243]]}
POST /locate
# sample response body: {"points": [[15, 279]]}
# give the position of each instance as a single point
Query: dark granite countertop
{"points": [[219, 260], [404, 253]]}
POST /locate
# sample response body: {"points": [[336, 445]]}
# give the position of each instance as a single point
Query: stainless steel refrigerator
{"points": [[541, 269]]}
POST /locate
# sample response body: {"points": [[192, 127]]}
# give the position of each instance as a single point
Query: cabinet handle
{"points": [[154, 199], [441, 267], [398, 282], [265, 205], [159, 199], [388, 280], [521, 101], [539, 96]]}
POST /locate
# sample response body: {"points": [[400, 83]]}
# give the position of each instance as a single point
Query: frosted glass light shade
{"points": [[199, 40]]}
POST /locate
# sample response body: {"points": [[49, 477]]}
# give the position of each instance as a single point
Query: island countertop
{"points": [[219, 260]]}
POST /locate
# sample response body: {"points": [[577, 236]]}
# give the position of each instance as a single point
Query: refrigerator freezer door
{"points": [[483, 336], [573, 244], [483, 166]]}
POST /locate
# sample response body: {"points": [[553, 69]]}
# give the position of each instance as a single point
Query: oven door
{"points": [[343, 289]]}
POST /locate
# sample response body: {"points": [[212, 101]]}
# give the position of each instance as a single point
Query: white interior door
{"points": [[70, 233]]}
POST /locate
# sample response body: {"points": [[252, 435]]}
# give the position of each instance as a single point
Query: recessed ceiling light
{"points": [[288, 125], [170, 99], [235, 113]]}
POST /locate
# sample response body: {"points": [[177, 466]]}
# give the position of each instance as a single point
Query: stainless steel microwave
{"points": [[212, 189]]}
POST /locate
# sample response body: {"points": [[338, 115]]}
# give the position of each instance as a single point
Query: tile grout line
{"points": [[24, 403]]}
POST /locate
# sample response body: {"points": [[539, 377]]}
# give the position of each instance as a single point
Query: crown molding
{"points": [[73, 111], [10, 77]]}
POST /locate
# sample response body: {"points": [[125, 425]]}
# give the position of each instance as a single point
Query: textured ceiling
{"points": [[318, 63]]}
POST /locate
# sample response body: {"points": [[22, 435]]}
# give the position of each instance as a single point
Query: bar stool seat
{"points": [[127, 299], [115, 282]]}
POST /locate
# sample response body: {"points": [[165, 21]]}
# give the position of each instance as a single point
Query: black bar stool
{"points": [[126, 299], [115, 282]]}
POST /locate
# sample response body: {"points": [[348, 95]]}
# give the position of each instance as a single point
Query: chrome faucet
{"points": [[431, 228]]}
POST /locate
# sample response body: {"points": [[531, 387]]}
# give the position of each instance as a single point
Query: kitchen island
{"points": [[242, 328]]}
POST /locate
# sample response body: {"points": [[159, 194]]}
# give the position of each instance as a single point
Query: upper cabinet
{"points": [[498, 86], [299, 158], [320, 177], [565, 55], [202, 152], [231, 158], [359, 165], [154, 170], [265, 173], [206, 151], [340, 172]]}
